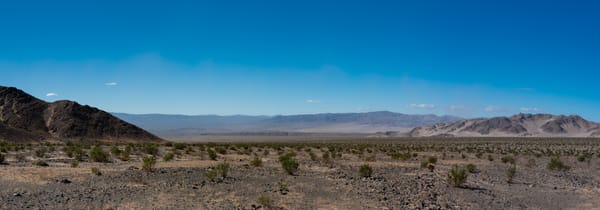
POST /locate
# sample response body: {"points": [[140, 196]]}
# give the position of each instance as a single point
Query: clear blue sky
{"points": [[466, 58]]}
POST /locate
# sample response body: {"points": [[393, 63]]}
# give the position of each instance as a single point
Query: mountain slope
{"points": [[24, 117], [539, 125], [371, 122]]}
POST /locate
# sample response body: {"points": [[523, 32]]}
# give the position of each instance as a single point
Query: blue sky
{"points": [[466, 58]]}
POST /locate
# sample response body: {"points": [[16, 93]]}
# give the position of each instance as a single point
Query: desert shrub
{"points": [[432, 159], [221, 169], [289, 163], [256, 162], [581, 158], [429, 163], [148, 163], [365, 170], [510, 173], [98, 155], [212, 154], [40, 163], [179, 146], [463, 156], [264, 201], [114, 150], [189, 150], [96, 171], [124, 156], [221, 150], [556, 164], [325, 156], [371, 158], [471, 168], [41, 152], [2, 158], [312, 156], [169, 156], [457, 176], [508, 159], [201, 147], [479, 155], [490, 158], [151, 149], [400, 156], [74, 164], [266, 152]]}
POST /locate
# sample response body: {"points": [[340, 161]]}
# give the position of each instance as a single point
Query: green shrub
{"points": [[40, 163], [325, 156], [312, 156], [256, 162], [98, 155], [510, 173], [221, 169], [96, 171], [179, 146], [288, 163], [556, 164], [114, 150], [74, 164], [124, 156], [148, 163], [264, 201], [41, 152], [508, 159], [151, 149], [457, 176], [365, 170], [212, 154], [471, 168], [400, 156], [169, 156], [221, 150]]}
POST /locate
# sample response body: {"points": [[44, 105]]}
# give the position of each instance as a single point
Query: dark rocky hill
{"points": [[25, 118]]}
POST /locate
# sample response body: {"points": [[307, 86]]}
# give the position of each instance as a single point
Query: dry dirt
{"points": [[318, 184]]}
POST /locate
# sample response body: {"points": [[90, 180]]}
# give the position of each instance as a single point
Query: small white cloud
{"points": [[457, 107], [51, 94], [111, 84], [421, 106], [493, 109], [530, 109], [312, 101]]}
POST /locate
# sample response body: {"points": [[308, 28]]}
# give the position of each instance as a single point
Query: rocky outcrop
{"points": [[24, 117]]}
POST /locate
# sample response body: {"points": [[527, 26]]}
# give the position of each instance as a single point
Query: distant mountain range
{"points": [[359, 123], [26, 118], [534, 125]]}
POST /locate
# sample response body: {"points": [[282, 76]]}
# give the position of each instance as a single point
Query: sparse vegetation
{"points": [[471, 168], [256, 162], [219, 170], [510, 173], [289, 163], [212, 154], [98, 155], [365, 170], [168, 157], [264, 201], [148, 163], [457, 176], [96, 171], [508, 159], [40, 163], [556, 164]]}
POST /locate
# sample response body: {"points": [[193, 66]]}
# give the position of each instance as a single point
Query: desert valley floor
{"points": [[355, 174]]}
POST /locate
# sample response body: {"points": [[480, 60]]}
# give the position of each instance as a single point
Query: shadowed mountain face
{"points": [[372, 122], [24, 117], [541, 125]]}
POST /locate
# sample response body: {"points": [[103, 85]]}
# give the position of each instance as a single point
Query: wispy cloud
{"points": [[111, 84], [493, 109], [421, 106], [51, 94], [530, 109], [457, 107], [312, 101]]}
